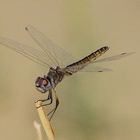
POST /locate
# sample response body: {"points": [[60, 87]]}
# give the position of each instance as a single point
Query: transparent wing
{"points": [[95, 69], [54, 52], [89, 67], [115, 57], [35, 55]]}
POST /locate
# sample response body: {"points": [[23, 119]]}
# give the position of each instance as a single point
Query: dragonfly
{"points": [[52, 56]]}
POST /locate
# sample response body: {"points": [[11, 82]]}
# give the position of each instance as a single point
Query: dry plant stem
{"points": [[38, 130], [44, 120]]}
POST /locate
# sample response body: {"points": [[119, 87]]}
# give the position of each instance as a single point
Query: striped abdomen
{"points": [[74, 67]]}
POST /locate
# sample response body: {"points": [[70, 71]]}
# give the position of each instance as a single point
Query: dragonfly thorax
{"points": [[55, 76]]}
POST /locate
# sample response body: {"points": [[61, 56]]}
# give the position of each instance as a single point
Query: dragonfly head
{"points": [[42, 84]]}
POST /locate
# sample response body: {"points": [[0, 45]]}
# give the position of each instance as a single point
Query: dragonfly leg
{"points": [[49, 98], [56, 105]]}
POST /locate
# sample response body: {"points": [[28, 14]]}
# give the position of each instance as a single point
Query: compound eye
{"points": [[45, 82]]}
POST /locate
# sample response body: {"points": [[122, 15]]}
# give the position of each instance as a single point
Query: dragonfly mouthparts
{"points": [[37, 85]]}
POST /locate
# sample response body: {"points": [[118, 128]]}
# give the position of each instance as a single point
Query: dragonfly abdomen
{"points": [[96, 54], [74, 67], [93, 56]]}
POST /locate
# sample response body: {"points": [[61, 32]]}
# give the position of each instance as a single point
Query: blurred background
{"points": [[101, 106]]}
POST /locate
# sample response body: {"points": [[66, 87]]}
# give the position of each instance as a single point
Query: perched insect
{"points": [[52, 56]]}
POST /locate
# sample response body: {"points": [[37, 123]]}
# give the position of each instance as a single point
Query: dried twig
{"points": [[38, 130], [44, 120]]}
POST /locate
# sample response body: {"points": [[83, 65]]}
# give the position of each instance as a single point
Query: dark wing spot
{"points": [[123, 53]]}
